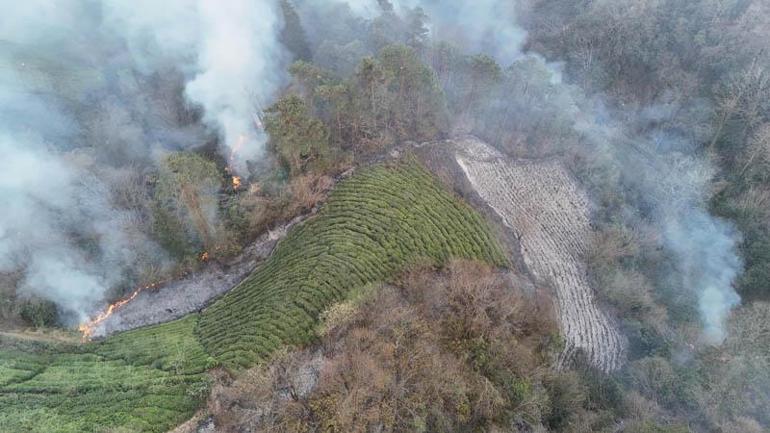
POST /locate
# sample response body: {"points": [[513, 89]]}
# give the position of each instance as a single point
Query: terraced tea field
{"points": [[145, 381], [548, 212], [372, 226], [150, 379]]}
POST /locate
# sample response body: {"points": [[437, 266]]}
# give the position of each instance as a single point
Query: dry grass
{"points": [[301, 194]]}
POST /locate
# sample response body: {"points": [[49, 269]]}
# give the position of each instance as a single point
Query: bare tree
{"points": [[741, 97], [758, 149]]}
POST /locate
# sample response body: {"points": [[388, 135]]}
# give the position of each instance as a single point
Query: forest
{"points": [[404, 302]]}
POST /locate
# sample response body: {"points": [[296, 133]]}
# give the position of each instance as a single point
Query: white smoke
{"points": [[705, 247], [86, 88], [676, 186], [481, 26], [31, 234], [229, 48], [57, 222], [239, 64]]}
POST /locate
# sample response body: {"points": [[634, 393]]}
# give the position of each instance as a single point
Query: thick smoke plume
{"points": [[674, 184], [238, 66], [230, 51], [92, 95], [705, 247]]}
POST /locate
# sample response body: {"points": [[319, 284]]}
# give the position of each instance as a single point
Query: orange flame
{"points": [[205, 256], [89, 327], [236, 182]]}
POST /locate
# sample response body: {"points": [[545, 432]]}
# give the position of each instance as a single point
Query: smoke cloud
{"points": [[92, 94], [239, 63], [231, 52], [476, 27], [705, 247], [673, 183], [665, 170], [48, 200], [483, 26]]}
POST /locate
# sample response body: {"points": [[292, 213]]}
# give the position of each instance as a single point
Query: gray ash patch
{"points": [[196, 290]]}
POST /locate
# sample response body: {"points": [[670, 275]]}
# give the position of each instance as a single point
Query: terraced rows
{"points": [[373, 225], [153, 378], [548, 212], [144, 381]]}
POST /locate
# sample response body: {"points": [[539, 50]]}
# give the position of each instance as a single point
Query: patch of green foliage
{"points": [[372, 227], [755, 243], [390, 98], [300, 140], [39, 312], [146, 380]]}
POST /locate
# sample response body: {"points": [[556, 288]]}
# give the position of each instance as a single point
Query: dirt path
{"points": [[547, 211]]}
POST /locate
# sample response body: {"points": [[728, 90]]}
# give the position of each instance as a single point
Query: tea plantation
{"points": [[372, 226], [149, 380], [146, 380]]}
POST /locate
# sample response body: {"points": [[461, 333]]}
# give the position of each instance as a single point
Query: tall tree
{"points": [[300, 140], [402, 95]]}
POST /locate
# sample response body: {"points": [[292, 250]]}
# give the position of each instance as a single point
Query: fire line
{"points": [[89, 327]]}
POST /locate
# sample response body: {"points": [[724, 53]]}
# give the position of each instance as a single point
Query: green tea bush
{"points": [[373, 225], [146, 380]]}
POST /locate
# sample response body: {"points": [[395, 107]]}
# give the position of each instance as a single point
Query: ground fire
{"points": [[89, 327]]}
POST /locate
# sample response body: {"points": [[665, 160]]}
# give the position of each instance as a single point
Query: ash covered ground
{"points": [[196, 290]]}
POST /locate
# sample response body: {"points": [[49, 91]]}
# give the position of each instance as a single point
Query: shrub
{"points": [[566, 394], [39, 313], [655, 379], [387, 362]]}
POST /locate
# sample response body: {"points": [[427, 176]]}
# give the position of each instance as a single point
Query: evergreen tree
{"points": [[300, 140]]}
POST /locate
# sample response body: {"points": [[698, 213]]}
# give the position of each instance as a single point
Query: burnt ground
{"points": [[196, 290]]}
